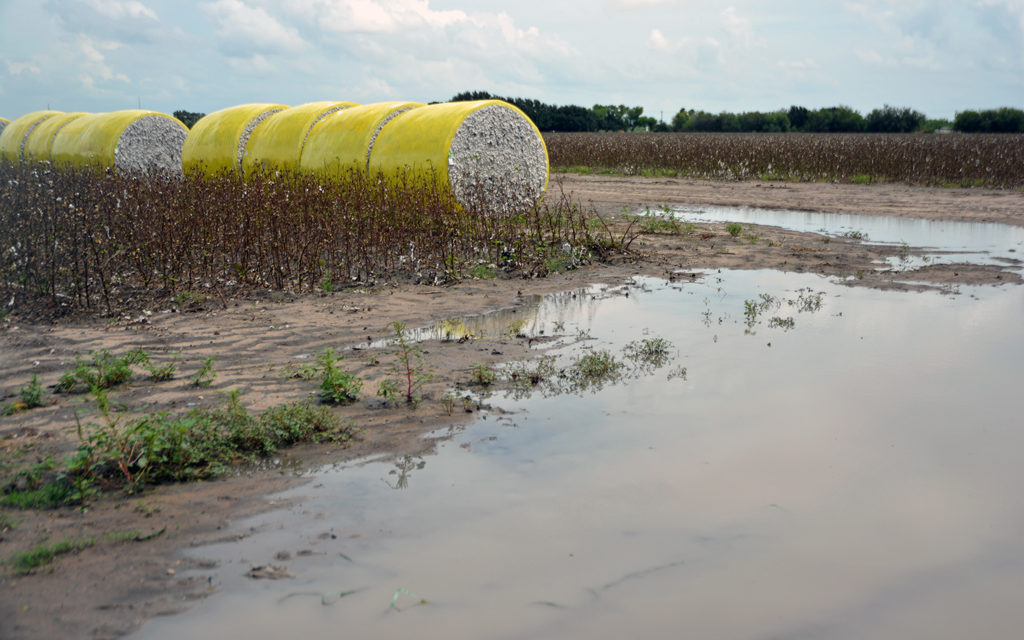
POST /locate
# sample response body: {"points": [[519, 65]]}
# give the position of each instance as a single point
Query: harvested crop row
{"points": [[992, 160]]}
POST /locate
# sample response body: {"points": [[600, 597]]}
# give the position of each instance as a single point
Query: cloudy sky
{"points": [[739, 55]]}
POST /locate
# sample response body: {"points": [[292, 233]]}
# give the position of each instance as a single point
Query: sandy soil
{"points": [[110, 588]]}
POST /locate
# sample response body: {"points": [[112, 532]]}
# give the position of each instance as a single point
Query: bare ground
{"points": [[142, 541]]}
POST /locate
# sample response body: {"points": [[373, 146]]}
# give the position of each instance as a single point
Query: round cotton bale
{"points": [[130, 141], [3, 124], [12, 138], [486, 152], [39, 142], [217, 142], [342, 141], [276, 143]]}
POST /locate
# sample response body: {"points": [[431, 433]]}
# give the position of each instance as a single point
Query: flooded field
{"points": [[947, 241], [806, 460]]}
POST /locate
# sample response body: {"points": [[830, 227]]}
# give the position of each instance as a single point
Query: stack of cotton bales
{"points": [[132, 141], [38, 144], [217, 142], [15, 134], [342, 141], [276, 144], [488, 152]]}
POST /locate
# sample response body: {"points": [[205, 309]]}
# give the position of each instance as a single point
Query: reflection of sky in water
{"points": [[859, 477], [996, 240]]}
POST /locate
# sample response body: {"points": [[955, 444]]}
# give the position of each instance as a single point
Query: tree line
{"points": [[838, 119]]}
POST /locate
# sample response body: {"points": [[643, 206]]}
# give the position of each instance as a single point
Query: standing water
{"points": [[813, 461]]}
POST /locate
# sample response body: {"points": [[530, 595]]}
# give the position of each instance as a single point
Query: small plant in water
{"points": [[648, 351], [483, 375], [447, 402], [515, 328], [781, 323], [592, 370]]}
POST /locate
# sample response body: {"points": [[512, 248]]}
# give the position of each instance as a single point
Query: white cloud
{"points": [[640, 4], [807, 64], [738, 28], [125, 21], [373, 16], [94, 62], [116, 10], [244, 29], [659, 42], [18, 68], [254, 63]]}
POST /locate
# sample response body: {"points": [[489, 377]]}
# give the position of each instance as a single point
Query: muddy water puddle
{"points": [[945, 241], [810, 460]]}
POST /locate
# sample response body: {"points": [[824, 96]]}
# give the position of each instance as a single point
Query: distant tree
{"points": [[841, 119], [680, 119], [616, 117], [704, 121], [573, 118], [647, 123], [468, 96], [768, 122], [188, 118], [892, 120], [1007, 120], [797, 117], [1002, 120], [933, 125]]}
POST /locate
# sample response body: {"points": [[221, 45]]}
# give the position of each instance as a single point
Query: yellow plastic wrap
{"points": [[217, 142], [498, 161], [341, 141], [276, 143], [99, 140], [12, 138], [39, 142]]}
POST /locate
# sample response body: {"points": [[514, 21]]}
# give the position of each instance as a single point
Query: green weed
{"points": [[483, 375], [30, 396], [734, 229], [411, 371], [159, 372], [26, 562], [482, 271], [206, 374], [336, 386], [592, 370], [648, 351], [515, 328], [103, 371], [447, 402], [199, 444]]}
